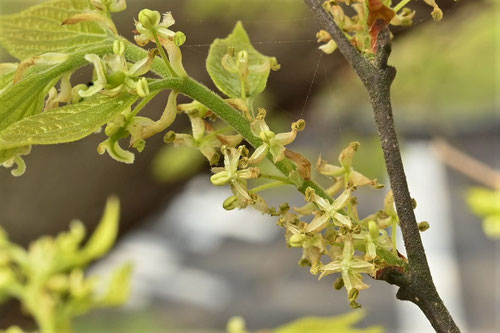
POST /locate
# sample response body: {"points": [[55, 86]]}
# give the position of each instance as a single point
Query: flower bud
{"points": [[142, 87], [118, 47], [309, 194], [329, 47], [338, 284], [242, 63], [323, 36], [169, 137], [373, 228], [149, 18], [117, 5], [220, 178], [179, 38], [423, 226], [230, 203], [296, 240], [353, 294]]}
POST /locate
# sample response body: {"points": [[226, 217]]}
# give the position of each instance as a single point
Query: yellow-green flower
{"points": [[271, 142]]}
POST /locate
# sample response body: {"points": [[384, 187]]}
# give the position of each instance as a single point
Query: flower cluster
{"points": [[114, 74], [369, 17], [153, 27], [335, 231]]}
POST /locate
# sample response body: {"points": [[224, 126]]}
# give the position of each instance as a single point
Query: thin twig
{"points": [[466, 164]]}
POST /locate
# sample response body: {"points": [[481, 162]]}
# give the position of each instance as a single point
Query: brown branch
{"points": [[416, 284]]}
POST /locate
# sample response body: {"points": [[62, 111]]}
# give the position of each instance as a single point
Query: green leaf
{"points": [[7, 72], [104, 236], [27, 97], [338, 324], [16, 103], [229, 83], [65, 124], [39, 30]]}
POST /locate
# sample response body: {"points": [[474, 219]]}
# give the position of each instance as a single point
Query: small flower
{"points": [[345, 172], [350, 267], [404, 18], [149, 24], [271, 142], [437, 13], [328, 211], [115, 75], [229, 174], [329, 47], [113, 6]]}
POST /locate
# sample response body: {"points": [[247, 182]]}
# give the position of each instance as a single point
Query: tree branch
{"points": [[416, 284], [360, 64]]}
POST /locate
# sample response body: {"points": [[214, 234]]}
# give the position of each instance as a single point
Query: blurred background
{"points": [[196, 265]]}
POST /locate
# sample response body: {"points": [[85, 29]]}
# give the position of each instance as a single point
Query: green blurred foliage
{"points": [[233, 9], [486, 204], [338, 324], [176, 163], [155, 322], [49, 281]]}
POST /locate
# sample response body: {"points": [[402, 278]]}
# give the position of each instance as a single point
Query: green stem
{"points": [[268, 186], [232, 117], [163, 54], [400, 5], [274, 177]]}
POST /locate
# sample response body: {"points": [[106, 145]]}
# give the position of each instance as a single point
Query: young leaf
{"points": [[229, 83], [39, 30], [65, 124]]}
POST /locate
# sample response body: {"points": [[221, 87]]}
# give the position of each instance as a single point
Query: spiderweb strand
{"points": [[311, 84]]}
